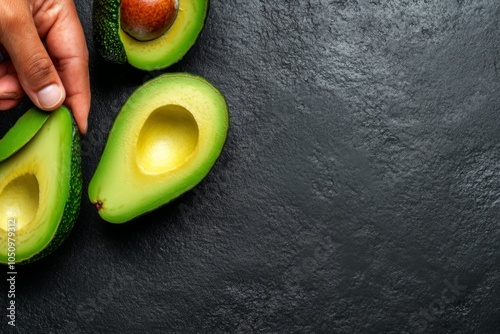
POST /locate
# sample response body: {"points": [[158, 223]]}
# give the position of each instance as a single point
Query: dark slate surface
{"points": [[358, 192]]}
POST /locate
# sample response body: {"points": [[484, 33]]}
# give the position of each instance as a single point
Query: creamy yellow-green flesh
{"points": [[164, 141], [34, 186], [170, 131], [173, 45]]}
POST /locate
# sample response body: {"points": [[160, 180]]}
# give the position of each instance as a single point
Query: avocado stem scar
{"points": [[98, 205]]}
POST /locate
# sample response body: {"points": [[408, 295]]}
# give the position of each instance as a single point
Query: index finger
{"points": [[67, 47]]}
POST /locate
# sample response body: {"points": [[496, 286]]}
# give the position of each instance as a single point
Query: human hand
{"points": [[49, 76]]}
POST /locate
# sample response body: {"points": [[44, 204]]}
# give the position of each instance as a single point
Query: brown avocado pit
{"points": [[146, 20]]}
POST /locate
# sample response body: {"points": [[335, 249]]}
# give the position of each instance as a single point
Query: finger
{"points": [[68, 49], [11, 92], [9, 104], [35, 69]]}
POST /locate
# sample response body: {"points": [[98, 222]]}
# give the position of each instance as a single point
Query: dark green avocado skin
{"points": [[72, 207], [106, 25]]}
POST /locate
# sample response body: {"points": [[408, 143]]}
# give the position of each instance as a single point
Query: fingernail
{"points": [[50, 96], [9, 96], [85, 127]]}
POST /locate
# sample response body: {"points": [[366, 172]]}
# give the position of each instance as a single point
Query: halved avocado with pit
{"points": [[115, 45], [164, 141], [40, 186]]}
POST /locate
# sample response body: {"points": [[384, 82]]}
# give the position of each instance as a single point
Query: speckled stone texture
{"points": [[358, 192]]}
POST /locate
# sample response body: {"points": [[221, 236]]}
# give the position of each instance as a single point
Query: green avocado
{"points": [[115, 45], [164, 141], [30, 122], [40, 185]]}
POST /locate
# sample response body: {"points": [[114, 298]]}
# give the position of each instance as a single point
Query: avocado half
{"points": [[117, 46], [40, 184], [164, 141]]}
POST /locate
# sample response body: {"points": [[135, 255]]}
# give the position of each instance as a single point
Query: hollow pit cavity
{"points": [[167, 139], [19, 201]]}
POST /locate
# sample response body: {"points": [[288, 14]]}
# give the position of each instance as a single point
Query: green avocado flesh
{"points": [[164, 141], [30, 122], [117, 46], [40, 188]]}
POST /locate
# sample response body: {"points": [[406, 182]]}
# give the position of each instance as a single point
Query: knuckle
{"points": [[86, 56], [38, 69]]}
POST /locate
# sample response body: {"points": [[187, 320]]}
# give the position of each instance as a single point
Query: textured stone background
{"points": [[358, 192]]}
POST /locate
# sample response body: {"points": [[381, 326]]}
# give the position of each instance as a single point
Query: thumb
{"points": [[35, 69]]}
